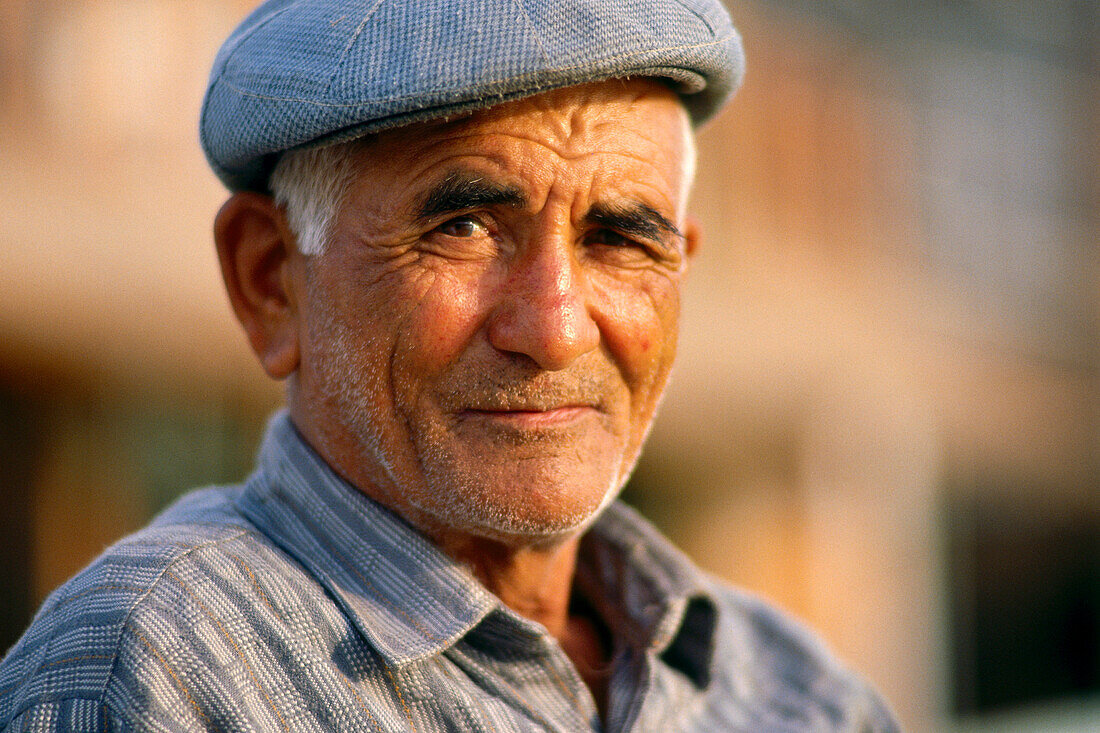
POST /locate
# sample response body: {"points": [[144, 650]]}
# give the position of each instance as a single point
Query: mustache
{"points": [[520, 385]]}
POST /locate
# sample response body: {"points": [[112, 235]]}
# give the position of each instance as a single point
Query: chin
{"points": [[532, 520]]}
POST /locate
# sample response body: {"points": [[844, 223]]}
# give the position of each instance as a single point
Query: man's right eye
{"points": [[461, 226], [462, 237]]}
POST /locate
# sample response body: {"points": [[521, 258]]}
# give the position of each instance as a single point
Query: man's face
{"points": [[487, 335]]}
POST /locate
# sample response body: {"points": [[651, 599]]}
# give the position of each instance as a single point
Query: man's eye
{"points": [[626, 251], [461, 226], [611, 238]]}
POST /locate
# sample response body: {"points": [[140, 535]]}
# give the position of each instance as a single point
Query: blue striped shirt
{"points": [[294, 603]]}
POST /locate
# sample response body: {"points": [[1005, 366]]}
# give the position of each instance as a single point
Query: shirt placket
{"points": [[530, 671], [631, 680]]}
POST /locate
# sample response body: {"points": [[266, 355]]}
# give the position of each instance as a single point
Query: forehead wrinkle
{"points": [[568, 109], [652, 180], [485, 126], [568, 140], [547, 113], [655, 189], [567, 147], [604, 138]]}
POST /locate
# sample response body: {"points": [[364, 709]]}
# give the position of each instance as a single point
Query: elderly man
{"points": [[458, 231]]}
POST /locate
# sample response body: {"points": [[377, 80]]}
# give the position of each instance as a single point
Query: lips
{"points": [[501, 404], [533, 418], [525, 396]]}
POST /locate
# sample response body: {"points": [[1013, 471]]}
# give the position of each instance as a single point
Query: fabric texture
{"points": [[311, 72], [293, 603]]}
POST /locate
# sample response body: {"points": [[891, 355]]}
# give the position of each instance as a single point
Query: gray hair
{"points": [[310, 184]]}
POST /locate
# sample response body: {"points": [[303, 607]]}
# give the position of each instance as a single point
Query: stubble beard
{"points": [[433, 488]]}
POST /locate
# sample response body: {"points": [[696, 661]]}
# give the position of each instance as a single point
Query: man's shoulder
{"points": [[71, 650], [771, 636], [777, 662]]}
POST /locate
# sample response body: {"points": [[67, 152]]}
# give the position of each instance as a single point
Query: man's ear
{"points": [[693, 236], [255, 247]]}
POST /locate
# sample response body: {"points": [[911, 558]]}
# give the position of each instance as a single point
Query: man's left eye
{"points": [[624, 250], [612, 238]]}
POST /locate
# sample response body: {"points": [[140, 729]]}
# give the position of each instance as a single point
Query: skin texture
{"points": [[484, 342]]}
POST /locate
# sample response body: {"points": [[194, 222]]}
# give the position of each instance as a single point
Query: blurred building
{"points": [[885, 416]]}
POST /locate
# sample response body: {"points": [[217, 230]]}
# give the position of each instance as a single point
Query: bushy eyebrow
{"points": [[462, 191], [633, 219]]}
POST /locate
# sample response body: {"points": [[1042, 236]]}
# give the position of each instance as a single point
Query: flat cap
{"points": [[300, 73]]}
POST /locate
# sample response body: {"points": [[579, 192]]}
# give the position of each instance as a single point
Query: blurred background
{"points": [[886, 415]]}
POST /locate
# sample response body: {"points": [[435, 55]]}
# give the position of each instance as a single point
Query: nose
{"points": [[543, 310]]}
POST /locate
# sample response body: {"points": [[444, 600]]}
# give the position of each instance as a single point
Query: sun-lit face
{"points": [[487, 335]]}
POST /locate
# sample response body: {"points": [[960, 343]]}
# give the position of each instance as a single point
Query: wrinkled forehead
{"points": [[636, 118], [611, 99]]}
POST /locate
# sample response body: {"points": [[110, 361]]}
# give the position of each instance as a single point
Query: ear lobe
{"points": [[255, 247]]}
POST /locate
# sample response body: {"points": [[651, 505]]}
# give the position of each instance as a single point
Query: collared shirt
{"points": [[294, 603]]}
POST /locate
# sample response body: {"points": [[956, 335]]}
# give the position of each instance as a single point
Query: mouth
{"points": [[532, 418]]}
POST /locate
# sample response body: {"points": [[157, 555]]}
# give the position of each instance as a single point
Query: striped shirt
{"points": [[294, 603]]}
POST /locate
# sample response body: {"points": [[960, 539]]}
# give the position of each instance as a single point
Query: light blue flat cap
{"points": [[299, 73]]}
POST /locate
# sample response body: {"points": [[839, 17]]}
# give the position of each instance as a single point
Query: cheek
{"points": [[639, 324], [448, 310]]}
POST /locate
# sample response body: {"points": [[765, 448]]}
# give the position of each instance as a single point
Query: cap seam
{"points": [[230, 51], [534, 31], [351, 42], [226, 55], [698, 15]]}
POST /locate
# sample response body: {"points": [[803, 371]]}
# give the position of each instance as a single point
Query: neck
{"points": [[535, 582], [538, 583]]}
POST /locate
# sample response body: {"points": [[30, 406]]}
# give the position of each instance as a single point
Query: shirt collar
{"points": [[411, 601], [649, 593], [406, 597]]}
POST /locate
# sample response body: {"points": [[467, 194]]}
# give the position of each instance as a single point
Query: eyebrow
{"points": [[634, 219], [461, 191]]}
